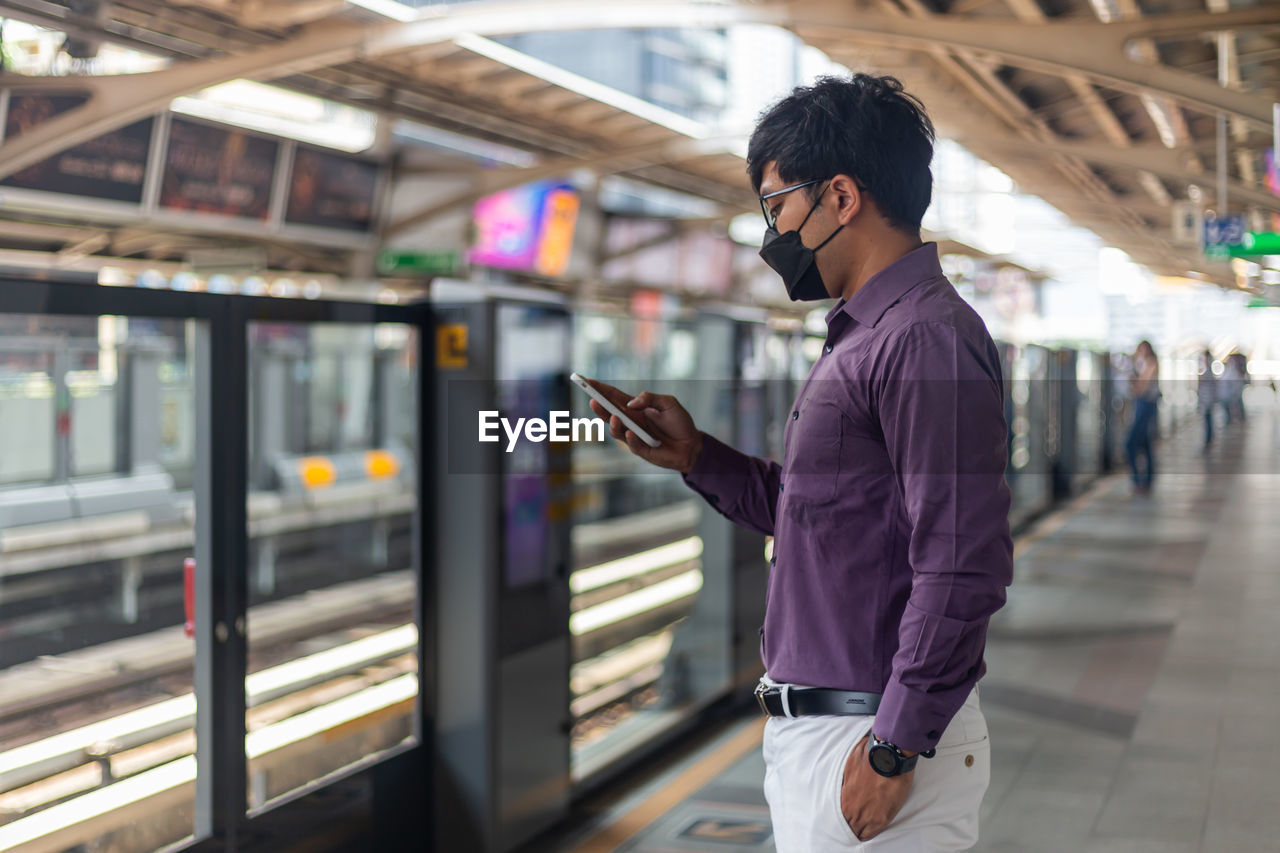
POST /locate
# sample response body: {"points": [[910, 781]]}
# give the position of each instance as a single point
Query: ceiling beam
{"points": [[1030, 12], [118, 100], [1168, 163], [275, 13], [1091, 48], [977, 74]]}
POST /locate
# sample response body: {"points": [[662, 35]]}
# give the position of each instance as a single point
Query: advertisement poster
{"points": [[112, 166], [329, 190], [216, 169], [528, 228]]}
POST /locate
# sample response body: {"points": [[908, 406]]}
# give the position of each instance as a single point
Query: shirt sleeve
{"points": [[742, 488], [941, 406]]}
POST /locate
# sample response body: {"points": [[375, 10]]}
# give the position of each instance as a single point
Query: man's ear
{"points": [[849, 199]]}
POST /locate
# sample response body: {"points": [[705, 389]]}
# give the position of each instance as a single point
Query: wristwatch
{"points": [[887, 760]]}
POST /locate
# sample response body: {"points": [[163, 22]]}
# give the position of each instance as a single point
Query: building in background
{"points": [[685, 71], [722, 78]]}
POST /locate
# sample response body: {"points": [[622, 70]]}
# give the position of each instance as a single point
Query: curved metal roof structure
{"points": [[1105, 108]]}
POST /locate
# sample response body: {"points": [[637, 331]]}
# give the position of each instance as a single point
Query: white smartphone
{"points": [[610, 407]]}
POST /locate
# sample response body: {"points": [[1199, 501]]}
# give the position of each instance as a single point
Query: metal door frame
{"points": [[221, 383]]}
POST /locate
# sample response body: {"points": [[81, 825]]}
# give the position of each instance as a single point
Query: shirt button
{"points": [[933, 735], [779, 487], [715, 499], [795, 415], [827, 348]]}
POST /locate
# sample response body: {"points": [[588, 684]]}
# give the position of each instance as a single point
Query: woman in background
{"points": [[1145, 387], [1235, 376]]}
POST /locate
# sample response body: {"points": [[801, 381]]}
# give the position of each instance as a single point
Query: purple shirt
{"points": [[889, 512]]}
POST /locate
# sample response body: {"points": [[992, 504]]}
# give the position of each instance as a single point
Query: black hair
{"points": [[863, 126]]}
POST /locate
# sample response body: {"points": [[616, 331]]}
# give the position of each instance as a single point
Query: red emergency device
{"points": [[189, 595]]}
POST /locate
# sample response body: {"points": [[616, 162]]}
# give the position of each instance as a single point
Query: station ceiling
{"points": [[1105, 108]]}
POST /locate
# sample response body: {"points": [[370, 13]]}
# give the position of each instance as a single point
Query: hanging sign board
{"points": [[112, 166]]}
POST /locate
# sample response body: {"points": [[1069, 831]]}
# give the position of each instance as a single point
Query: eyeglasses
{"points": [[770, 219]]}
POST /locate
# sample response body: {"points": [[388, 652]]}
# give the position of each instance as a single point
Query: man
{"points": [[1207, 394], [889, 511]]}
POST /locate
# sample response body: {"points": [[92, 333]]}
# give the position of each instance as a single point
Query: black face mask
{"points": [[794, 261]]}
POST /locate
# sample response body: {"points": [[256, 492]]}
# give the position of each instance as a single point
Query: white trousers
{"points": [[805, 759]]}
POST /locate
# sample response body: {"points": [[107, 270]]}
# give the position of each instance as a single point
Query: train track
{"points": [[37, 548], [36, 687], [74, 786]]}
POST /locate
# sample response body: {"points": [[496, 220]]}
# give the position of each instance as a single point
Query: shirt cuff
{"points": [[914, 720], [719, 474]]}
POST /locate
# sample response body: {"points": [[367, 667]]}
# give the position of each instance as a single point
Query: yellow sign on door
{"points": [[451, 346]]}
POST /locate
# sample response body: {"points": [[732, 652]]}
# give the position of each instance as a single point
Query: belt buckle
{"points": [[761, 689]]}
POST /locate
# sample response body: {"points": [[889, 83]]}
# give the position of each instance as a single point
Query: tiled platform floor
{"points": [[1133, 691]]}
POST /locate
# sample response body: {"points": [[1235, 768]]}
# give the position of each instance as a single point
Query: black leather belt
{"points": [[784, 700]]}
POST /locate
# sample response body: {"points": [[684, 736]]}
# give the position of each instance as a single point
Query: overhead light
{"points": [[1242, 267], [1154, 187], [1160, 118], [581, 85], [388, 8], [747, 229]]}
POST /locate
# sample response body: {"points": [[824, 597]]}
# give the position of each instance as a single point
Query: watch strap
{"points": [[903, 763]]}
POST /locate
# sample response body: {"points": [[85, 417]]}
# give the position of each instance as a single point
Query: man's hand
{"points": [[659, 414], [868, 800]]}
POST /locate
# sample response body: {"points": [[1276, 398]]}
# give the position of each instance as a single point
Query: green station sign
{"points": [[409, 263], [1251, 244], [1259, 243]]}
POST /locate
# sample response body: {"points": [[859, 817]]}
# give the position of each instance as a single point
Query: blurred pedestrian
{"points": [[1207, 394], [1145, 387], [1234, 375], [1242, 371]]}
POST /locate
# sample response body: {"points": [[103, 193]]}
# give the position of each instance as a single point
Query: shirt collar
{"points": [[889, 285]]}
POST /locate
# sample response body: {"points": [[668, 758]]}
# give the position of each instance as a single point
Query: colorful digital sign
{"points": [[528, 228]]}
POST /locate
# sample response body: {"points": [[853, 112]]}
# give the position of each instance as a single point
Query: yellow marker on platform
{"points": [[381, 465], [316, 472]]}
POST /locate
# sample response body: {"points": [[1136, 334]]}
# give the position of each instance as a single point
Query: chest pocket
{"points": [[816, 439]]}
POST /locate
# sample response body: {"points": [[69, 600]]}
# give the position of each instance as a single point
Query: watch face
{"points": [[883, 760]]}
